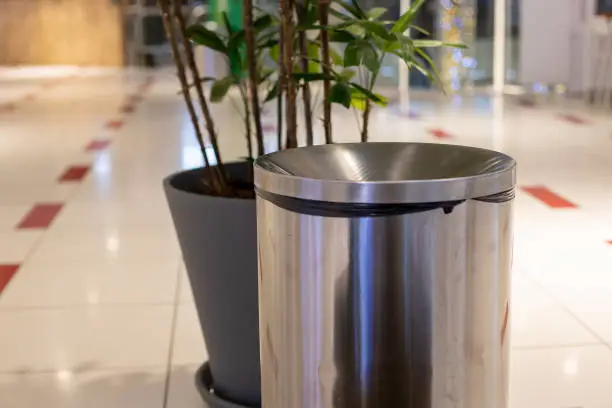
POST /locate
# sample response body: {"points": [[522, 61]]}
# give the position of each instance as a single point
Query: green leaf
{"points": [[228, 24], [340, 93], [436, 44], [376, 13], [374, 97], [377, 28], [203, 36], [275, 52], [263, 22], [341, 36], [236, 41], [361, 52], [419, 29], [273, 93], [347, 74], [358, 100], [338, 14], [405, 19], [356, 30], [352, 58], [265, 74], [353, 8], [392, 45], [312, 76], [355, 4], [427, 58], [220, 88], [313, 53], [335, 57]]}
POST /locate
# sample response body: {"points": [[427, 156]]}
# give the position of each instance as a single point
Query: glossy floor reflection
{"points": [[95, 308]]}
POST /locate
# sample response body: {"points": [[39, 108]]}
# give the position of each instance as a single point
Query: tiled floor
{"points": [[95, 308]]}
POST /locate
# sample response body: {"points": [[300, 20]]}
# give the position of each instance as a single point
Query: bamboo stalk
{"points": [[180, 68], [251, 60], [281, 90], [306, 89], [286, 8], [195, 73], [324, 21], [247, 120], [366, 121]]}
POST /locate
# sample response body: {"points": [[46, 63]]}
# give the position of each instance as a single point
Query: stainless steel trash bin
{"points": [[384, 276]]}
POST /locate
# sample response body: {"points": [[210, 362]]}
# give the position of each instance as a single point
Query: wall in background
{"points": [[60, 32]]}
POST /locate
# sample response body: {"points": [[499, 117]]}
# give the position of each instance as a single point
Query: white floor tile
{"points": [[561, 378], [15, 246], [90, 389], [64, 283], [107, 244], [539, 321], [97, 337], [182, 392], [189, 347]]}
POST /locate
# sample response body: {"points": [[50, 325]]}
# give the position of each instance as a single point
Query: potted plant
{"points": [[281, 57]]}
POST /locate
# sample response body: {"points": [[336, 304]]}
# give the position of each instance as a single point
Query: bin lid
{"points": [[385, 173]]}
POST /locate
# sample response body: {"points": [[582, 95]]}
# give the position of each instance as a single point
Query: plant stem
{"points": [[251, 61], [247, 120], [286, 8], [325, 66], [368, 108], [195, 73], [281, 90], [306, 89], [180, 68]]}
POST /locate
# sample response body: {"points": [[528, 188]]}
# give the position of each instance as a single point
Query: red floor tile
{"points": [[439, 133], [548, 197], [6, 273], [40, 216], [96, 145], [573, 119], [74, 173], [114, 124]]}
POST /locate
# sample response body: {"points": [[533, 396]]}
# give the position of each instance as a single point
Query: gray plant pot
{"points": [[218, 240]]}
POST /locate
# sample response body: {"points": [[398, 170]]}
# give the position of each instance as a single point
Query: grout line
{"points": [[557, 346], [80, 306], [177, 303], [78, 370], [570, 312]]}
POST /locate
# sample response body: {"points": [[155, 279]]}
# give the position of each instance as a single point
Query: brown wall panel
{"points": [[60, 32]]}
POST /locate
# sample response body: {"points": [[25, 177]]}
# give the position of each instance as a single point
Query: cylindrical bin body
{"points": [[384, 276]]}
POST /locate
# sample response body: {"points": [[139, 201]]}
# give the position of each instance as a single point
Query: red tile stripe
{"points": [[40, 216], [6, 273], [96, 145], [573, 119], [549, 198], [440, 133], [114, 124], [74, 173]]}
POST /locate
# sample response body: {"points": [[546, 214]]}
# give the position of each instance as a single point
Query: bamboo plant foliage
{"points": [[289, 51]]}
